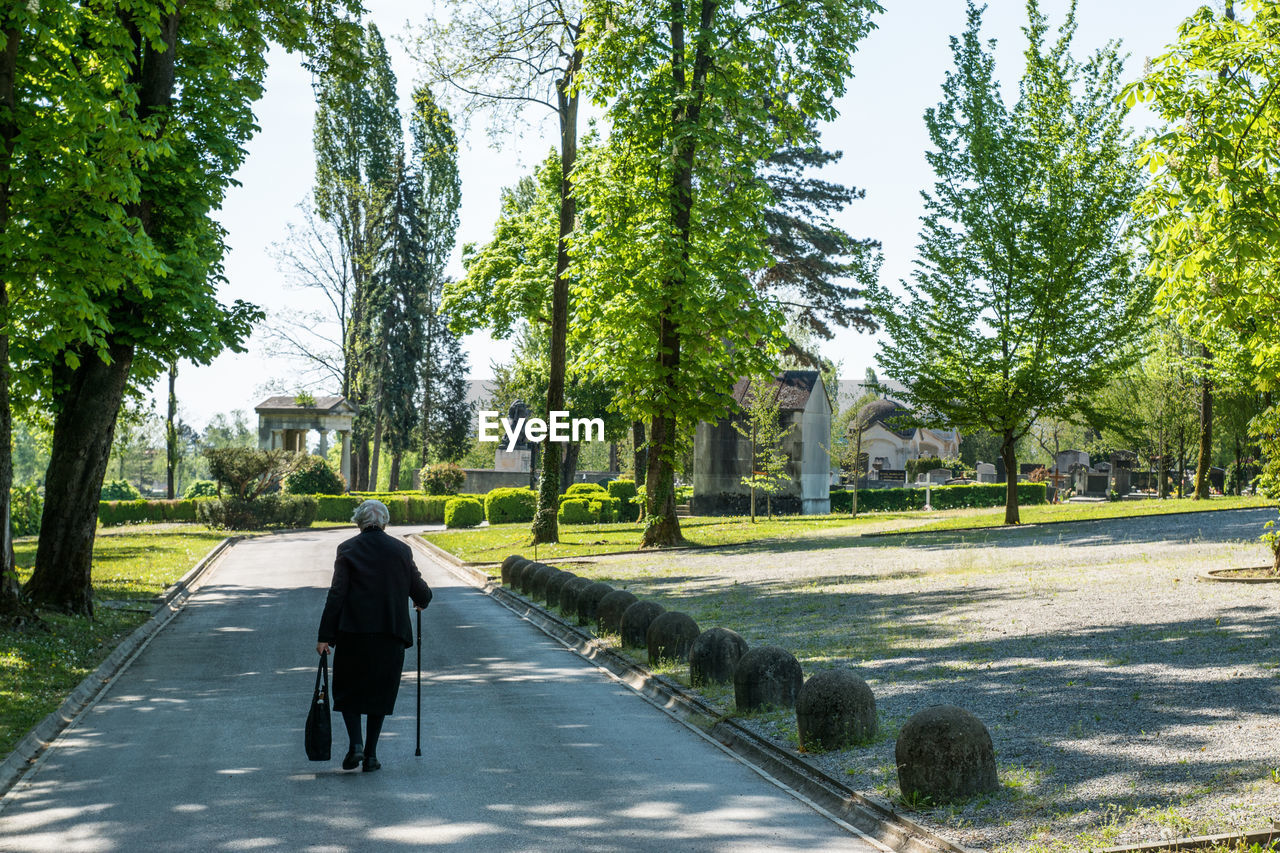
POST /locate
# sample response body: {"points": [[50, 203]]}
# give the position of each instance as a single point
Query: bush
{"points": [[314, 476], [463, 512], [201, 489], [119, 490], [576, 511], [503, 506], [923, 465], [404, 507], [25, 507], [273, 510], [443, 478], [623, 490], [245, 473], [606, 509], [336, 507], [585, 489], [111, 513]]}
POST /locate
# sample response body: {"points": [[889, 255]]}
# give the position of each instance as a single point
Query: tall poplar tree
{"points": [[1025, 299]]}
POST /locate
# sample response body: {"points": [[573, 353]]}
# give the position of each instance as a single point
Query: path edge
{"points": [[29, 750], [867, 817]]}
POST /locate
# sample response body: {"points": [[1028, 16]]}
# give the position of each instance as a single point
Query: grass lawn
{"points": [[131, 565], [493, 544]]}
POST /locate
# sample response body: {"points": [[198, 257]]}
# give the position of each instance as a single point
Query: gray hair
{"points": [[371, 513]]}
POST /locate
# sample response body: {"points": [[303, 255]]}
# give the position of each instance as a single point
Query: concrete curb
{"points": [[872, 818], [1202, 842], [31, 748]]}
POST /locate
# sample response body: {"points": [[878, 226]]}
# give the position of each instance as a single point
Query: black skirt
{"points": [[366, 672]]}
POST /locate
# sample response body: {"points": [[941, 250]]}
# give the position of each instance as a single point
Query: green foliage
{"points": [[314, 476], [443, 478], [503, 506], [622, 489], [981, 340], [111, 513], [942, 497], [924, 465], [25, 506], [265, 511], [463, 512], [119, 490], [201, 489], [576, 511], [761, 424], [247, 473], [585, 489]]}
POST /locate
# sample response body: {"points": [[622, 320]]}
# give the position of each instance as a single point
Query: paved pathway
{"points": [[198, 745]]}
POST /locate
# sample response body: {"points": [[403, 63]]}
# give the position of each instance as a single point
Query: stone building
{"points": [[284, 425], [722, 456], [889, 439]]}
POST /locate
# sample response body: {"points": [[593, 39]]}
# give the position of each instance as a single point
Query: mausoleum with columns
{"points": [[283, 424]]}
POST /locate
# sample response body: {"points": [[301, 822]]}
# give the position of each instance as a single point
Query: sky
{"points": [[899, 69]]}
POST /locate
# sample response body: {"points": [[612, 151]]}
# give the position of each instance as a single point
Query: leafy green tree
{"points": [[179, 82], [697, 97], [505, 55], [761, 424], [1024, 300], [228, 431]]}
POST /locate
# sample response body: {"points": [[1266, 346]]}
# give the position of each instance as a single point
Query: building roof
{"points": [[890, 414], [288, 403], [794, 388]]}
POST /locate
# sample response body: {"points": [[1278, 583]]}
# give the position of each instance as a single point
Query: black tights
{"points": [[352, 721]]}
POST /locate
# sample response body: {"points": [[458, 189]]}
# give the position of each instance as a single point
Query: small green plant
{"points": [[915, 800], [443, 478], [314, 476], [304, 400]]}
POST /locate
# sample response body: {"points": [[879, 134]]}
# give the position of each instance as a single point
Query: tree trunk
{"points": [[614, 466], [393, 477], [1182, 462], [1205, 458], [1009, 455], [545, 526], [660, 492], [639, 457], [88, 403], [377, 444], [569, 465], [171, 434]]}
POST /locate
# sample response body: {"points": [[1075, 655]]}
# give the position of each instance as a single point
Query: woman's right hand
{"points": [[322, 648]]}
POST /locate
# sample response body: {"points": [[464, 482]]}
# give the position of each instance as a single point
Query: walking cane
{"points": [[418, 742]]}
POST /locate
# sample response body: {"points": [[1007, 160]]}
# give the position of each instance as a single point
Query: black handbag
{"points": [[319, 735]]}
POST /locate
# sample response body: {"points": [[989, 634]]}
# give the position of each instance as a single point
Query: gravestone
{"points": [[1000, 472], [986, 472], [938, 476], [1067, 459], [1218, 479], [888, 475], [520, 458]]}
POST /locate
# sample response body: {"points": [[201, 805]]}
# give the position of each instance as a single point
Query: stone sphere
{"points": [[670, 636], [508, 565], [569, 596], [835, 709], [609, 611], [635, 622], [530, 574], [714, 655], [945, 753], [556, 585], [767, 677], [511, 571], [538, 584], [589, 601]]}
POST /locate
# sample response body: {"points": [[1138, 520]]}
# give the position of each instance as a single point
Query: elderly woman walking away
{"points": [[366, 622]]}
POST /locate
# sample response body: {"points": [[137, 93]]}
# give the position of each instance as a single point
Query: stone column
{"points": [[345, 435], [324, 443]]}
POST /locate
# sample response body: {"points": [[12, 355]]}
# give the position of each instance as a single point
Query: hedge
{"points": [[404, 507], [626, 492], [504, 506], [576, 511], [270, 510], [111, 513], [943, 497], [585, 490], [119, 490], [463, 512]]}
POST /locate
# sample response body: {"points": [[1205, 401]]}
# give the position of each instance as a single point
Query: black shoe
{"points": [[354, 756], [371, 763]]}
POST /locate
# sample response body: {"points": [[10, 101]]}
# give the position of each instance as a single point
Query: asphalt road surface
{"points": [[198, 745]]}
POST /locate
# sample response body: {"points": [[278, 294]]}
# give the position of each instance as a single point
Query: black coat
{"points": [[373, 575]]}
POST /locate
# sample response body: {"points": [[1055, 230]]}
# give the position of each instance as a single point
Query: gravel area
{"points": [[1127, 700]]}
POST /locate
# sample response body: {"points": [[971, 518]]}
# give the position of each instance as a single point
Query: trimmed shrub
{"points": [[119, 490], [623, 490], [270, 510], [576, 511], [25, 507], [404, 507], [506, 506], [463, 512], [335, 507], [584, 489], [944, 497], [605, 510], [314, 476], [443, 478], [111, 513], [201, 489]]}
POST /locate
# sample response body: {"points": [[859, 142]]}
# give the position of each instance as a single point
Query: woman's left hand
{"points": [[322, 648]]}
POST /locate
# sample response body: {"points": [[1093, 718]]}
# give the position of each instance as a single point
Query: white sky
{"points": [[899, 70]]}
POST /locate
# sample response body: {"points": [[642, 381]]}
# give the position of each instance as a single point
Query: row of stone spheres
{"points": [[943, 753]]}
